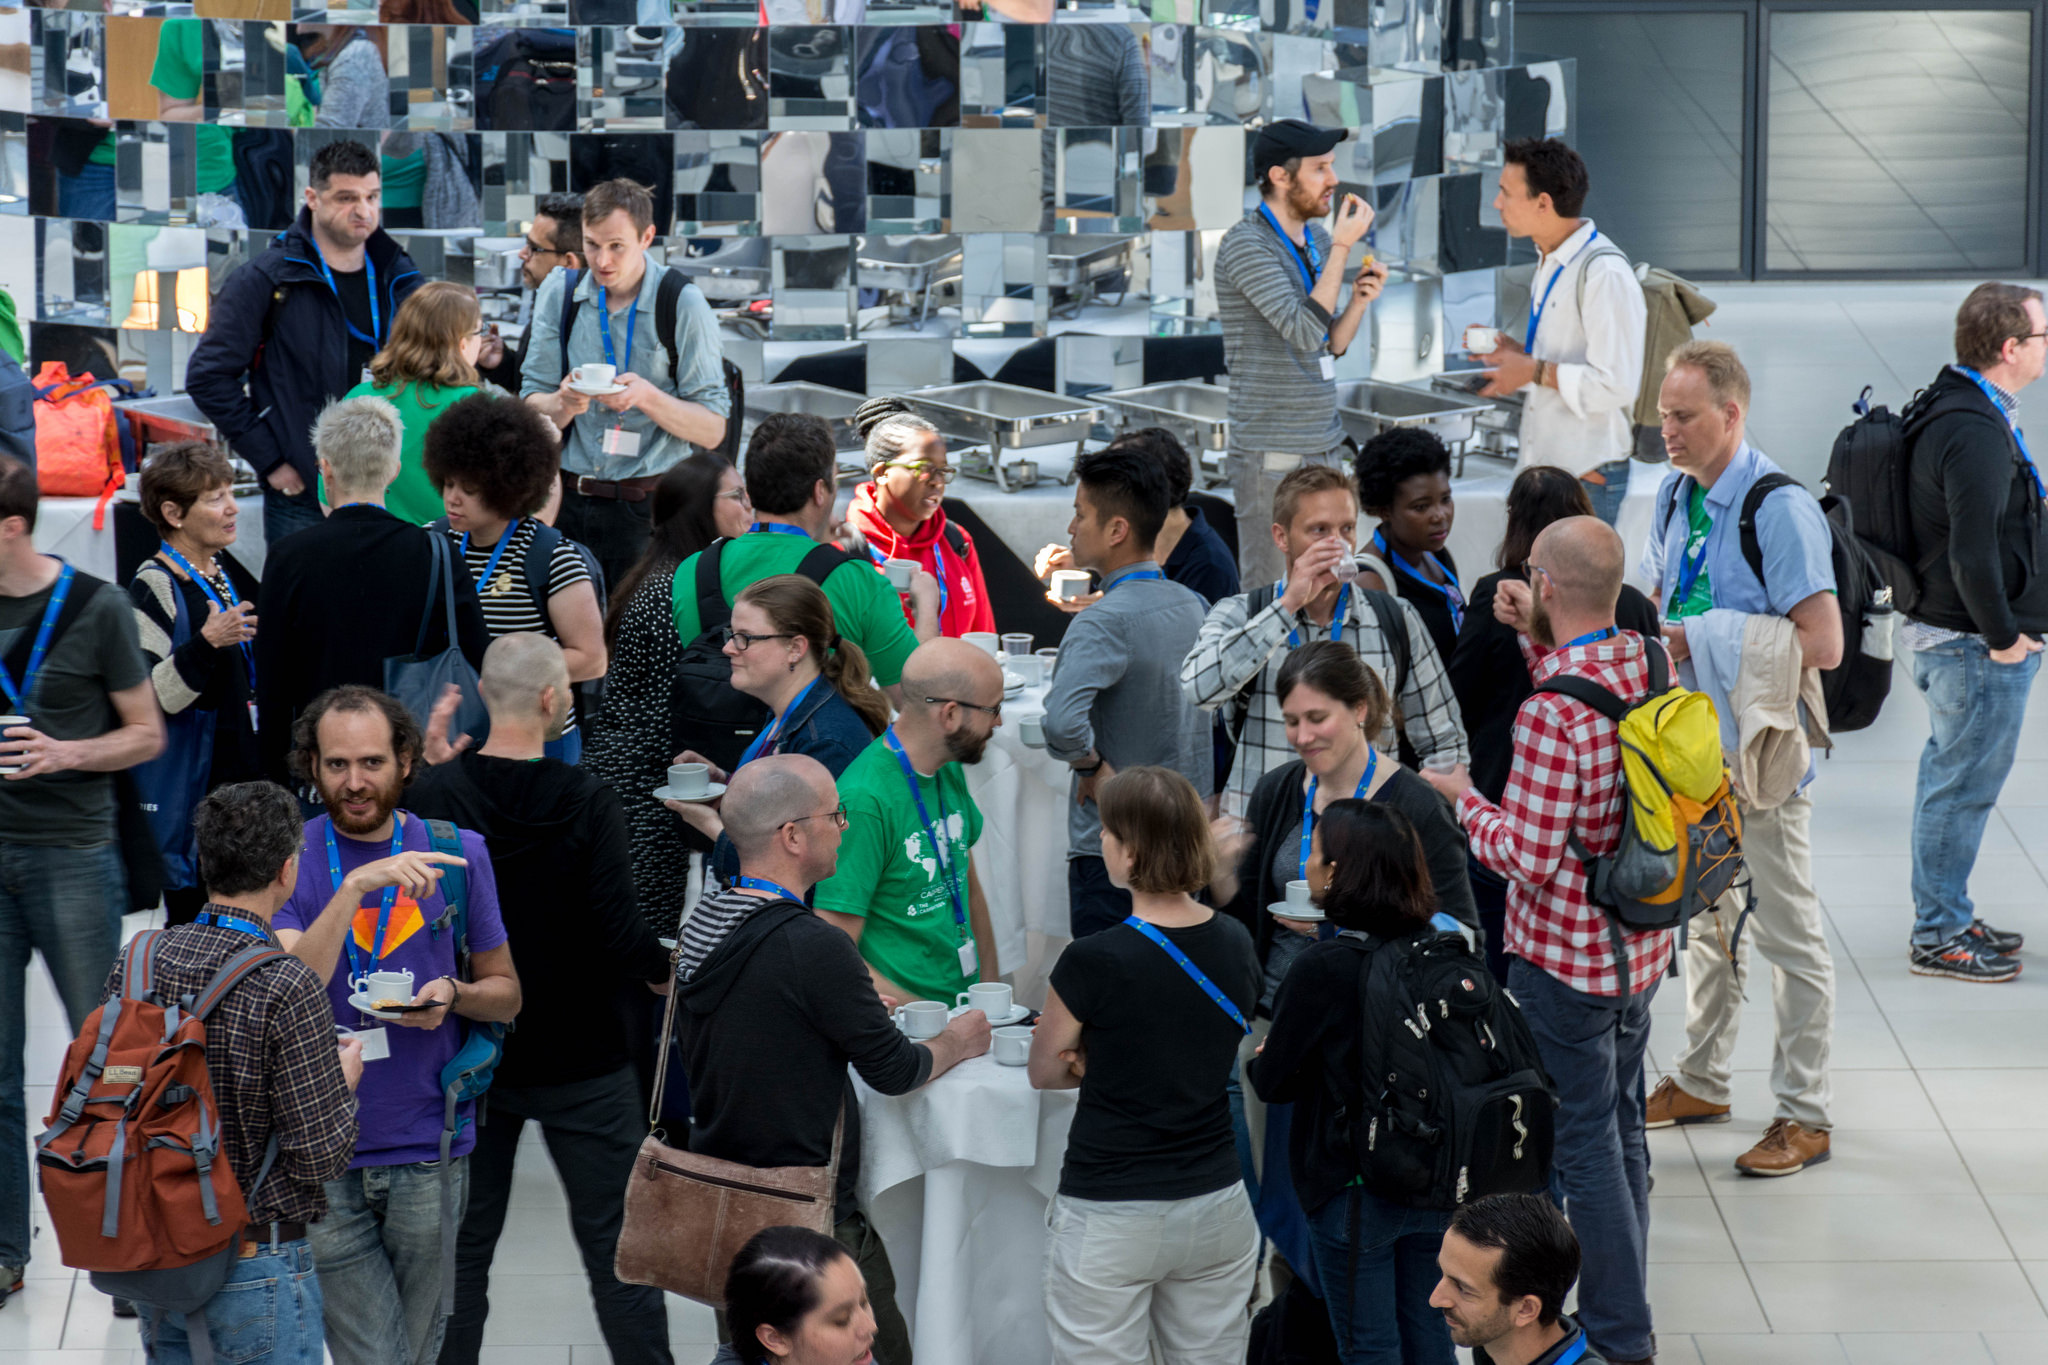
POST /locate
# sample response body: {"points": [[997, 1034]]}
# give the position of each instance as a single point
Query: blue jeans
{"points": [[379, 1253], [89, 194], [268, 1311], [1607, 498], [1592, 1046], [284, 513], [65, 903], [1384, 1317], [1974, 710]]}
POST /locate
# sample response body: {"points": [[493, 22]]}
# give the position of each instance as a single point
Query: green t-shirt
{"points": [[404, 180], [106, 153], [889, 873], [865, 609], [1697, 524], [180, 62], [412, 494]]}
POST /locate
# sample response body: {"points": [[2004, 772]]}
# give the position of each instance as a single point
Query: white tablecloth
{"points": [[1022, 857], [956, 1178], [64, 528]]}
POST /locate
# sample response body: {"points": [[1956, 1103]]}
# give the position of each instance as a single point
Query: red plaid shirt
{"points": [[1566, 780]]}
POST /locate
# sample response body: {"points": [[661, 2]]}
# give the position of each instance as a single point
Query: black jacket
{"points": [[302, 365], [339, 599], [558, 844], [1977, 525], [767, 1026]]}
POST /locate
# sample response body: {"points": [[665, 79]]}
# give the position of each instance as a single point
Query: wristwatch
{"points": [[1090, 771]]}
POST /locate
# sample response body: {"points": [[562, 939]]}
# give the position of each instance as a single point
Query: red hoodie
{"points": [[946, 553]]}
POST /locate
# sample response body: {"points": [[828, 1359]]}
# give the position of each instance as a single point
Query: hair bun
{"points": [[876, 411]]}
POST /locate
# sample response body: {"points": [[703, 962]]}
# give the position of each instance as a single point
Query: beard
{"points": [[1539, 624], [1480, 1333], [384, 800], [1304, 205], [965, 748]]}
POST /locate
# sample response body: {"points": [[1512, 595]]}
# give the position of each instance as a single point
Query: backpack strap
{"points": [[1604, 249], [230, 975], [821, 561], [1255, 601], [1589, 692], [667, 295], [137, 979], [1393, 624], [84, 587], [1752, 503], [446, 838], [540, 563], [956, 538], [570, 303], [712, 608]]}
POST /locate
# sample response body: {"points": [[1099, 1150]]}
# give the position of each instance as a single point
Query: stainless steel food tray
{"points": [[1078, 263], [835, 406], [1199, 414], [1368, 407], [1005, 417], [909, 265]]}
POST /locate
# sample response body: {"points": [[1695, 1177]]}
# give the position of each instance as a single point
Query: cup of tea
{"points": [[10, 763], [596, 376], [922, 1018], [1299, 895], [1011, 1045], [384, 989], [987, 641], [900, 572], [1482, 340], [990, 997], [689, 779], [1069, 585]]}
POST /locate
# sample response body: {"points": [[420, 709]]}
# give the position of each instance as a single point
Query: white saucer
{"points": [[1286, 911], [1013, 682], [1015, 1016], [593, 392], [711, 793], [362, 1002]]}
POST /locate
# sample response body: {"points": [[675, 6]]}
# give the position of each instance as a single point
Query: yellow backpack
{"points": [[1681, 833]]}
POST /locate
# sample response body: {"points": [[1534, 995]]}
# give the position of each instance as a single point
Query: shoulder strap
{"points": [[1679, 488], [821, 561], [1195, 974], [84, 587], [1604, 249], [666, 297], [540, 566], [1393, 623], [569, 306], [446, 838], [956, 538], [1752, 503], [441, 581], [1589, 692], [712, 608], [230, 973], [1255, 601], [138, 965]]}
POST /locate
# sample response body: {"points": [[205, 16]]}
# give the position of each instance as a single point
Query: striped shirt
{"points": [[716, 916], [507, 599], [1274, 339]]}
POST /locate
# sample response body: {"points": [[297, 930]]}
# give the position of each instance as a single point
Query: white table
{"points": [[1022, 857], [64, 528], [956, 1178]]}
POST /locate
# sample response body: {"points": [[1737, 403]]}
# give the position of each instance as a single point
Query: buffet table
{"points": [[1022, 857]]}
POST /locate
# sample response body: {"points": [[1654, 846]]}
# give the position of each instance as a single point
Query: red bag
{"points": [[78, 449]]}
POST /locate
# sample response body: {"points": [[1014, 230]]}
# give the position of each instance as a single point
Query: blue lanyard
{"points": [[389, 898], [230, 602], [1536, 315], [1308, 801], [1306, 256], [938, 571], [1195, 974], [1574, 1351], [1336, 616], [497, 553], [604, 317], [376, 337], [766, 738], [2018, 436], [1590, 637], [1689, 569], [1454, 596], [780, 528], [941, 843], [772, 888], [55, 606], [223, 920], [1116, 583]]}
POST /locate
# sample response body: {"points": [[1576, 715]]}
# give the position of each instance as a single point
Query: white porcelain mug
{"points": [[596, 376], [1298, 894], [1069, 584], [987, 641], [381, 987], [1032, 731], [1011, 1045], [900, 572], [689, 779], [1482, 340], [992, 998], [922, 1018]]}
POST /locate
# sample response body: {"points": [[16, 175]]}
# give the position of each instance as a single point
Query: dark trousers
{"points": [[593, 1131], [615, 531], [1490, 898], [1093, 904]]}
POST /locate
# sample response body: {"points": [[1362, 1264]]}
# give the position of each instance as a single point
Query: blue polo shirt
{"points": [[1202, 561]]}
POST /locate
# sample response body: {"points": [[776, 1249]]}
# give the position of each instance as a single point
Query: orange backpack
{"points": [[78, 449]]}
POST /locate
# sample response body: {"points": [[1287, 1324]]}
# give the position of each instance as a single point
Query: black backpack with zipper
{"points": [[667, 302]]}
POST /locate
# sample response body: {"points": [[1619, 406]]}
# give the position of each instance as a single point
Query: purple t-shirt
{"points": [[399, 1103]]}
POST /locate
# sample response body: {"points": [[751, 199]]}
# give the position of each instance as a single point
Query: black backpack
{"points": [[667, 299], [527, 82], [1456, 1103]]}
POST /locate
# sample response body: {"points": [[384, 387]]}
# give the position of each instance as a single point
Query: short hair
{"points": [[360, 438], [406, 740], [773, 1282], [608, 197], [18, 491], [767, 794], [788, 455], [1292, 165], [1157, 814], [887, 426], [1393, 457], [1126, 482], [1336, 671], [1727, 377], [1539, 1253], [517, 666], [1992, 315], [345, 157], [1379, 875], [182, 473], [246, 832], [503, 450], [1540, 494], [1163, 446], [1306, 481], [567, 212], [425, 343], [1551, 168]]}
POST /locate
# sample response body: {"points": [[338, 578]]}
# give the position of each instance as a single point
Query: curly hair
{"points": [[246, 833], [407, 743], [1393, 457], [503, 451]]}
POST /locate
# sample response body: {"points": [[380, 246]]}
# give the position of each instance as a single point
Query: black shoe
{"points": [[1963, 959], [10, 1282], [2001, 942], [124, 1308]]}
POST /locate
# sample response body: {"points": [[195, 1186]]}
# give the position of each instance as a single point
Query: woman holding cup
{"points": [[900, 515]]}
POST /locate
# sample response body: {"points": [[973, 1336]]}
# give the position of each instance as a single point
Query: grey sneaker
{"points": [[1962, 958]]}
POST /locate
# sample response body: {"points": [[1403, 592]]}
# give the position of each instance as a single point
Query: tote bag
{"points": [[418, 679]]}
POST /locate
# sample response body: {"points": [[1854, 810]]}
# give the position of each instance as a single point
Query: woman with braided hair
{"points": [[899, 515]]}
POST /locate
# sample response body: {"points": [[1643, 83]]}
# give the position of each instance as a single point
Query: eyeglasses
{"points": [[534, 248], [996, 710], [837, 815], [937, 473], [746, 639], [738, 495], [1529, 571], [483, 330]]}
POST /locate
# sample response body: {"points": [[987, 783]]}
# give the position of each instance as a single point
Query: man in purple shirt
{"points": [[369, 900]]}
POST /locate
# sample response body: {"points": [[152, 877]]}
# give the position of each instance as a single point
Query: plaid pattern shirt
{"points": [[1566, 780], [270, 1049], [1232, 650]]}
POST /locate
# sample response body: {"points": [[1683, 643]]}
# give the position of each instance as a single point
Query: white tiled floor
{"points": [[1926, 1237]]}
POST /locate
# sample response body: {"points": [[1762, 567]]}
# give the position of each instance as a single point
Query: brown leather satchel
{"points": [[687, 1215]]}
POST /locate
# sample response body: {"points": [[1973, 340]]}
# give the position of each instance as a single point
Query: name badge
{"points": [[253, 727], [970, 960], [376, 1041], [1328, 364], [367, 379], [621, 443]]}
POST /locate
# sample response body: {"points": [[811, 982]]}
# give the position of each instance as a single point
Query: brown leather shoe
{"points": [[1785, 1149], [1670, 1105]]}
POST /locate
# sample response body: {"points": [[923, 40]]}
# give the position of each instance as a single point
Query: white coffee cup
{"points": [[1299, 894], [596, 376], [990, 997], [7, 723], [900, 572], [1029, 667], [922, 1018], [987, 641], [1481, 340], [1069, 584], [381, 987], [1011, 1046], [1032, 730], [689, 779]]}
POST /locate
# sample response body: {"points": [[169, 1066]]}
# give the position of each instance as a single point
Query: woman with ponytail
{"points": [[787, 654], [899, 515]]}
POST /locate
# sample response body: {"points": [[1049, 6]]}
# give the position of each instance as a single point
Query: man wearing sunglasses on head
{"points": [[900, 513], [555, 238]]}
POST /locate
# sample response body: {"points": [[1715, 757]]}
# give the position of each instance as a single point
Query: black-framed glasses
{"points": [[746, 639], [534, 248], [837, 815], [996, 710]]}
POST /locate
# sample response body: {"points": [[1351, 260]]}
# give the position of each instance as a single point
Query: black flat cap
{"points": [[1287, 138]]}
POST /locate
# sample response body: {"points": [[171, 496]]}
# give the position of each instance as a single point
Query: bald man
{"points": [[906, 890], [1590, 1013], [557, 838]]}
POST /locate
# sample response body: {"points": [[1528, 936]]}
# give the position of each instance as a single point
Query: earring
{"points": [[792, 665]]}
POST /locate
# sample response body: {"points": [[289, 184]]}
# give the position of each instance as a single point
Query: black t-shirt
{"points": [[354, 288], [1154, 1121]]}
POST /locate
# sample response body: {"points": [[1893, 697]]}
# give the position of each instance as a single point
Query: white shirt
{"points": [[1595, 336]]}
